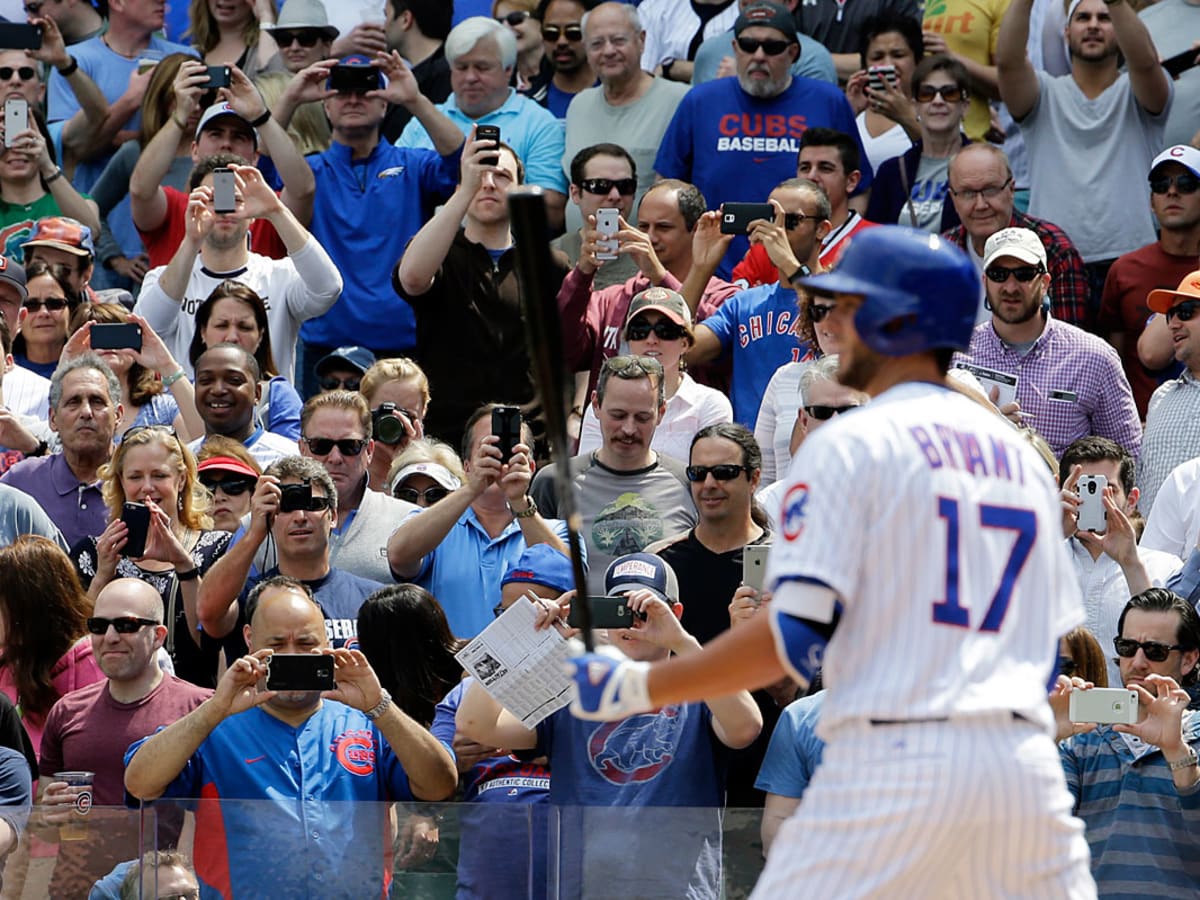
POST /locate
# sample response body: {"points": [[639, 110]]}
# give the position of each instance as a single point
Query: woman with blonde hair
{"points": [[231, 34], [424, 472], [397, 392], [153, 468], [309, 129]]}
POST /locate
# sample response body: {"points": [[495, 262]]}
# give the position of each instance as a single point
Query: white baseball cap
{"points": [[437, 472], [1188, 157], [1021, 243]]}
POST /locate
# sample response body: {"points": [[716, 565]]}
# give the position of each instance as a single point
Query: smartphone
{"points": [[136, 517], [218, 77], [736, 217], [1106, 706], [754, 565], [876, 75], [607, 612], [354, 79], [1092, 514], [224, 194], [15, 36], [300, 672], [506, 425], [1180, 62], [608, 224], [16, 119], [489, 133], [116, 336]]}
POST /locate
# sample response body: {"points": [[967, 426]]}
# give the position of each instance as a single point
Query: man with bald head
{"points": [[90, 729], [323, 765]]}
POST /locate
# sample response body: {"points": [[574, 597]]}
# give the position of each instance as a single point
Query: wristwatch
{"points": [[1186, 763], [385, 700], [666, 66], [528, 513]]}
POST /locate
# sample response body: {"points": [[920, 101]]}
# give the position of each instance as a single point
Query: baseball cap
{"points": [[636, 571], [14, 273], [226, 464], [1188, 157], [767, 15], [359, 358], [298, 14], [1189, 289], [541, 564], [62, 233], [664, 300], [436, 471], [219, 110], [1021, 243]]}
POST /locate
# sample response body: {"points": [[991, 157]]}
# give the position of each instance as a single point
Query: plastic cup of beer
{"points": [[76, 828]]}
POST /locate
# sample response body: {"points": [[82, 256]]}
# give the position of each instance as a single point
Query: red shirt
{"points": [[756, 267], [163, 241]]}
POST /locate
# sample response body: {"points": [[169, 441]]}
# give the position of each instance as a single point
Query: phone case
{"points": [[607, 223], [1106, 706], [1092, 514]]}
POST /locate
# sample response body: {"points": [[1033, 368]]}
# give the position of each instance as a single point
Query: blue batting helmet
{"points": [[920, 291]]}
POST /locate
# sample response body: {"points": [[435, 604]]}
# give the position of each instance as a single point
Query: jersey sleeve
{"points": [[391, 770]]}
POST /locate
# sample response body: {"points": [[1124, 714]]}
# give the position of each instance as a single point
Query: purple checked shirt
{"points": [[1070, 384]]}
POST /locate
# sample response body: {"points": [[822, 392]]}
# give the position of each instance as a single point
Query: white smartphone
{"points": [[16, 119], [754, 565], [1105, 706], [1092, 514], [224, 191], [607, 225]]}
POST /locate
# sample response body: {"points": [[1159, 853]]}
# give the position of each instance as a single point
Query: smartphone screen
{"points": [[136, 517], [116, 336]]}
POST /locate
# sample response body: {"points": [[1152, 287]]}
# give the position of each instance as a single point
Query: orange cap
{"points": [[1189, 289]]}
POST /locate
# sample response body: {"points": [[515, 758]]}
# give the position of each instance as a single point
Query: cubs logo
{"points": [[355, 750], [83, 802], [637, 749], [795, 508]]}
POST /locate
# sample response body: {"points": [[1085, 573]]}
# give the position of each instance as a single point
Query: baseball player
{"points": [[920, 542]]}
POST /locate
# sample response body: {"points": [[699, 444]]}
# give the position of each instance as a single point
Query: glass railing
{"points": [[258, 849]]}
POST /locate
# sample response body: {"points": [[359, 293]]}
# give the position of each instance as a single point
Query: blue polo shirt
{"points": [[364, 214], [530, 129], [76, 508]]}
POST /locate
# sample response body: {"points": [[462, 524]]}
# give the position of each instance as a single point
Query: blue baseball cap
{"points": [[541, 564], [359, 358], [636, 571]]}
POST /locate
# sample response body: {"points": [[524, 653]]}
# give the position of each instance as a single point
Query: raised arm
{"points": [[1149, 80], [1018, 81], [78, 132], [402, 90]]}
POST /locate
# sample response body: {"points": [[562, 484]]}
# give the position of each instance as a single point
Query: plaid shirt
{"points": [[1172, 434], [1070, 384], [1069, 290]]}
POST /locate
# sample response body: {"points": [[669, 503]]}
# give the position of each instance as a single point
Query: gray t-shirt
{"points": [[928, 194], [1083, 154], [1173, 25]]}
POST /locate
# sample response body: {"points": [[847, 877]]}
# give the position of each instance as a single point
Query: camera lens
{"points": [[389, 429], [1091, 487]]}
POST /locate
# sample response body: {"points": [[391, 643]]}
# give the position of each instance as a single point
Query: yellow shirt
{"points": [[969, 28]]}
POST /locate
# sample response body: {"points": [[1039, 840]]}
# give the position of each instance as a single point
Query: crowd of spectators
{"points": [[260, 315]]}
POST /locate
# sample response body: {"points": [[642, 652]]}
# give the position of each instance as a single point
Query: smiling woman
{"points": [[43, 318]]}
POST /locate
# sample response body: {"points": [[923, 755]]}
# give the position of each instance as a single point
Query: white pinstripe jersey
{"points": [[939, 529]]}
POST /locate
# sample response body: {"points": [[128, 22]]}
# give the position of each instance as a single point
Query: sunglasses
{"points": [[233, 487], [633, 366], [771, 48], [665, 329], [514, 18], [306, 38], [1183, 311], [723, 472], [1023, 274], [305, 504], [572, 33], [1185, 182], [1154, 650], [1067, 666], [430, 495], [626, 187], [818, 311], [52, 304], [816, 411], [951, 93], [346, 446], [122, 625], [25, 73], [330, 383]]}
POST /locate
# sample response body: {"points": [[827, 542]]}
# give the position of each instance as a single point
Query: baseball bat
{"points": [[543, 338]]}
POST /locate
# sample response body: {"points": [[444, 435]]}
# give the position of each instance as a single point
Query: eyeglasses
{"points": [[771, 48], [572, 33], [1023, 274], [1184, 182], [626, 187], [51, 304], [331, 383], [723, 472], [1067, 666], [25, 73], [233, 487], [514, 18], [1154, 650], [1183, 311], [430, 495], [792, 221], [618, 41], [632, 366], [324, 446], [665, 329], [165, 429], [818, 311], [951, 93], [968, 195], [305, 37], [816, 411], [122, 625]]}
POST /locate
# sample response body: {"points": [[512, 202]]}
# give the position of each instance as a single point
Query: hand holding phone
{"points": [[1092, 514], [489, 133], [1104, 706], [608, 223], [136, 517], [736, 217], [16, 119], [224, 191], [116, 336], [300, 672], [754, 565], [506, 425]]}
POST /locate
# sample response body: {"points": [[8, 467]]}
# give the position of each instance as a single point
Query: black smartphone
{"points": [[489, 133], [607, 612], [506, 425], [300, 672], [218, 77], [136, 517], [14, 36], [354, 79], [224, 191], [736, 217], [295, 496], [1181, 62], [116, 336]]}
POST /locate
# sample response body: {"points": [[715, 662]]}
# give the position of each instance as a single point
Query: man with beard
{"points": [[562, 37], [1069, 384]]}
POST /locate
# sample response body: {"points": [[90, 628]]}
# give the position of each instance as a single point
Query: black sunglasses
{"points": [[53, 304], [122, 625], [818, 311], [951, 93], [723, 472], [305, 37], [233, 487], [626, 187], [771, 48], [1023, 274], [330, 383], [573, 33], [1155, 651], [1185, 182], [430, 495], [639, 330], [1183, 311], [25, 73], [305, 504], [324, 446], [1067, 666], [816, 411], [514, 18]]}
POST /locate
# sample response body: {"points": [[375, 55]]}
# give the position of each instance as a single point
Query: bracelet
{"points": [[385, 700], [173, 377], [53, 176], [261, 120], [182, 126], [190, 575], [70, 68], [1186, 763]]}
